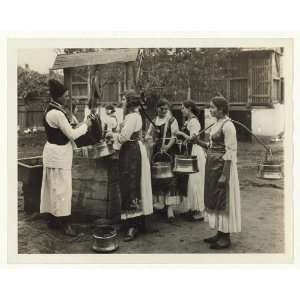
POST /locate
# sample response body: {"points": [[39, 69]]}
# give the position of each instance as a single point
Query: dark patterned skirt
{"points": [[130, 178], [214, 195]]}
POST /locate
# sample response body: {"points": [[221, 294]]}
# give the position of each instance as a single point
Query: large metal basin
{"points": [[30, 172], [30, 169]]}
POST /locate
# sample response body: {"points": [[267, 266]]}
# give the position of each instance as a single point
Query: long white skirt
{"points": [[56, 192], [195, 191], [146, 188], [231, 221]]}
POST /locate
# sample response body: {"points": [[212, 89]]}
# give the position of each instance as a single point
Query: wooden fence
{"points": [[31, 113]]}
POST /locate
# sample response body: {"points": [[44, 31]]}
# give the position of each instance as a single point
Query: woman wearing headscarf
{"points": [[192, 185], [56, 191], [134, 166], [164, 137], [222, 192]]}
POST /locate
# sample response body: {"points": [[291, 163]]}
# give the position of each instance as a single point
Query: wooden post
{"points": [[250, 88], [68, 85], [119, 91], [71, 95], [89, 83], [228, 89], [189, 93], [130, 76], [125, 76], [271, 78]]}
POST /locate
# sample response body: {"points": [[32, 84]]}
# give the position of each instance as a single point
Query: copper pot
{"points": [[99, 150], [269, 169], [186, 164], [105, 239], [161, 169]]}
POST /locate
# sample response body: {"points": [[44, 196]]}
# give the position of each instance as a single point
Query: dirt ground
{"points": [[262, 217]]}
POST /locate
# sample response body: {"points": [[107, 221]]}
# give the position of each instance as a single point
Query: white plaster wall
{"points": [[265, 121], [268, 121]]}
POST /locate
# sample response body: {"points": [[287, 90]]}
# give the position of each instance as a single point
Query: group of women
{"points": [[212, 194]]}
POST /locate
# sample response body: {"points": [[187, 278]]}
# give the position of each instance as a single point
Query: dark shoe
{"points": [[212, 239], [171, 220], [196, 218], [131, 234], [223, 242], [54, 224], [69, 231]]}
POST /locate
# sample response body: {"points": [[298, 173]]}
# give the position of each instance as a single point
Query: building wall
{"points": [[268, 121]]}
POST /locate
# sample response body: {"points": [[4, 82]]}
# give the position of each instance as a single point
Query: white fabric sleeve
{"points": [[149, 132], [61, 122], [230, 141], [111, 124], [174, 128], [194, 127], [128, 129]]}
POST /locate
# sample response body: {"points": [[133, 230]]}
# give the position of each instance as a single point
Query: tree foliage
{"points": [[173, 71], [31, 83]]}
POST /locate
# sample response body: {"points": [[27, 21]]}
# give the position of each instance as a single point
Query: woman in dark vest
{"points": [[165, 191], [56, 191], [135, 176], [222, 192]]}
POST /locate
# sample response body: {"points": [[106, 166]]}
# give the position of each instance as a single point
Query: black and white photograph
{"points": [[153, 150]]}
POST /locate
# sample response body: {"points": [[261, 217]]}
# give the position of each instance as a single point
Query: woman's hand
{"points": [[164, 148], [109, 135], [222, 181], [109, 138], [182, 134], [88, 122], [179, 133]]}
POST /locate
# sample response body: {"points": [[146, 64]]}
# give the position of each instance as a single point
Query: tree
{"points": [[175, 72], [31, 83]]}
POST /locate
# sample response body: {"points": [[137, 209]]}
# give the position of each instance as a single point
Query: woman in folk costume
{"points": [[111, 124], [135, 176], [56, 191], [164, 137], [222, 192], [192, 185]]}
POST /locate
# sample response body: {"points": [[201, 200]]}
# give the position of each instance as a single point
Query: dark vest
{"points": [[159, 136], [54, 135], [189, 144]]}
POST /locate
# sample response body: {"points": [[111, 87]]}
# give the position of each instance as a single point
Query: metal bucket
{"points": [[186, 164], [105, 239], [100, 150], [269, 170], [161, 169]]}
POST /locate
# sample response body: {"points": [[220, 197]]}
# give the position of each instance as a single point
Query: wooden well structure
{"points": [[96, 181], [112, 70]]}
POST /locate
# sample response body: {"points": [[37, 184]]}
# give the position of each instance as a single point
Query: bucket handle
{"points": [[161, 153]]}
